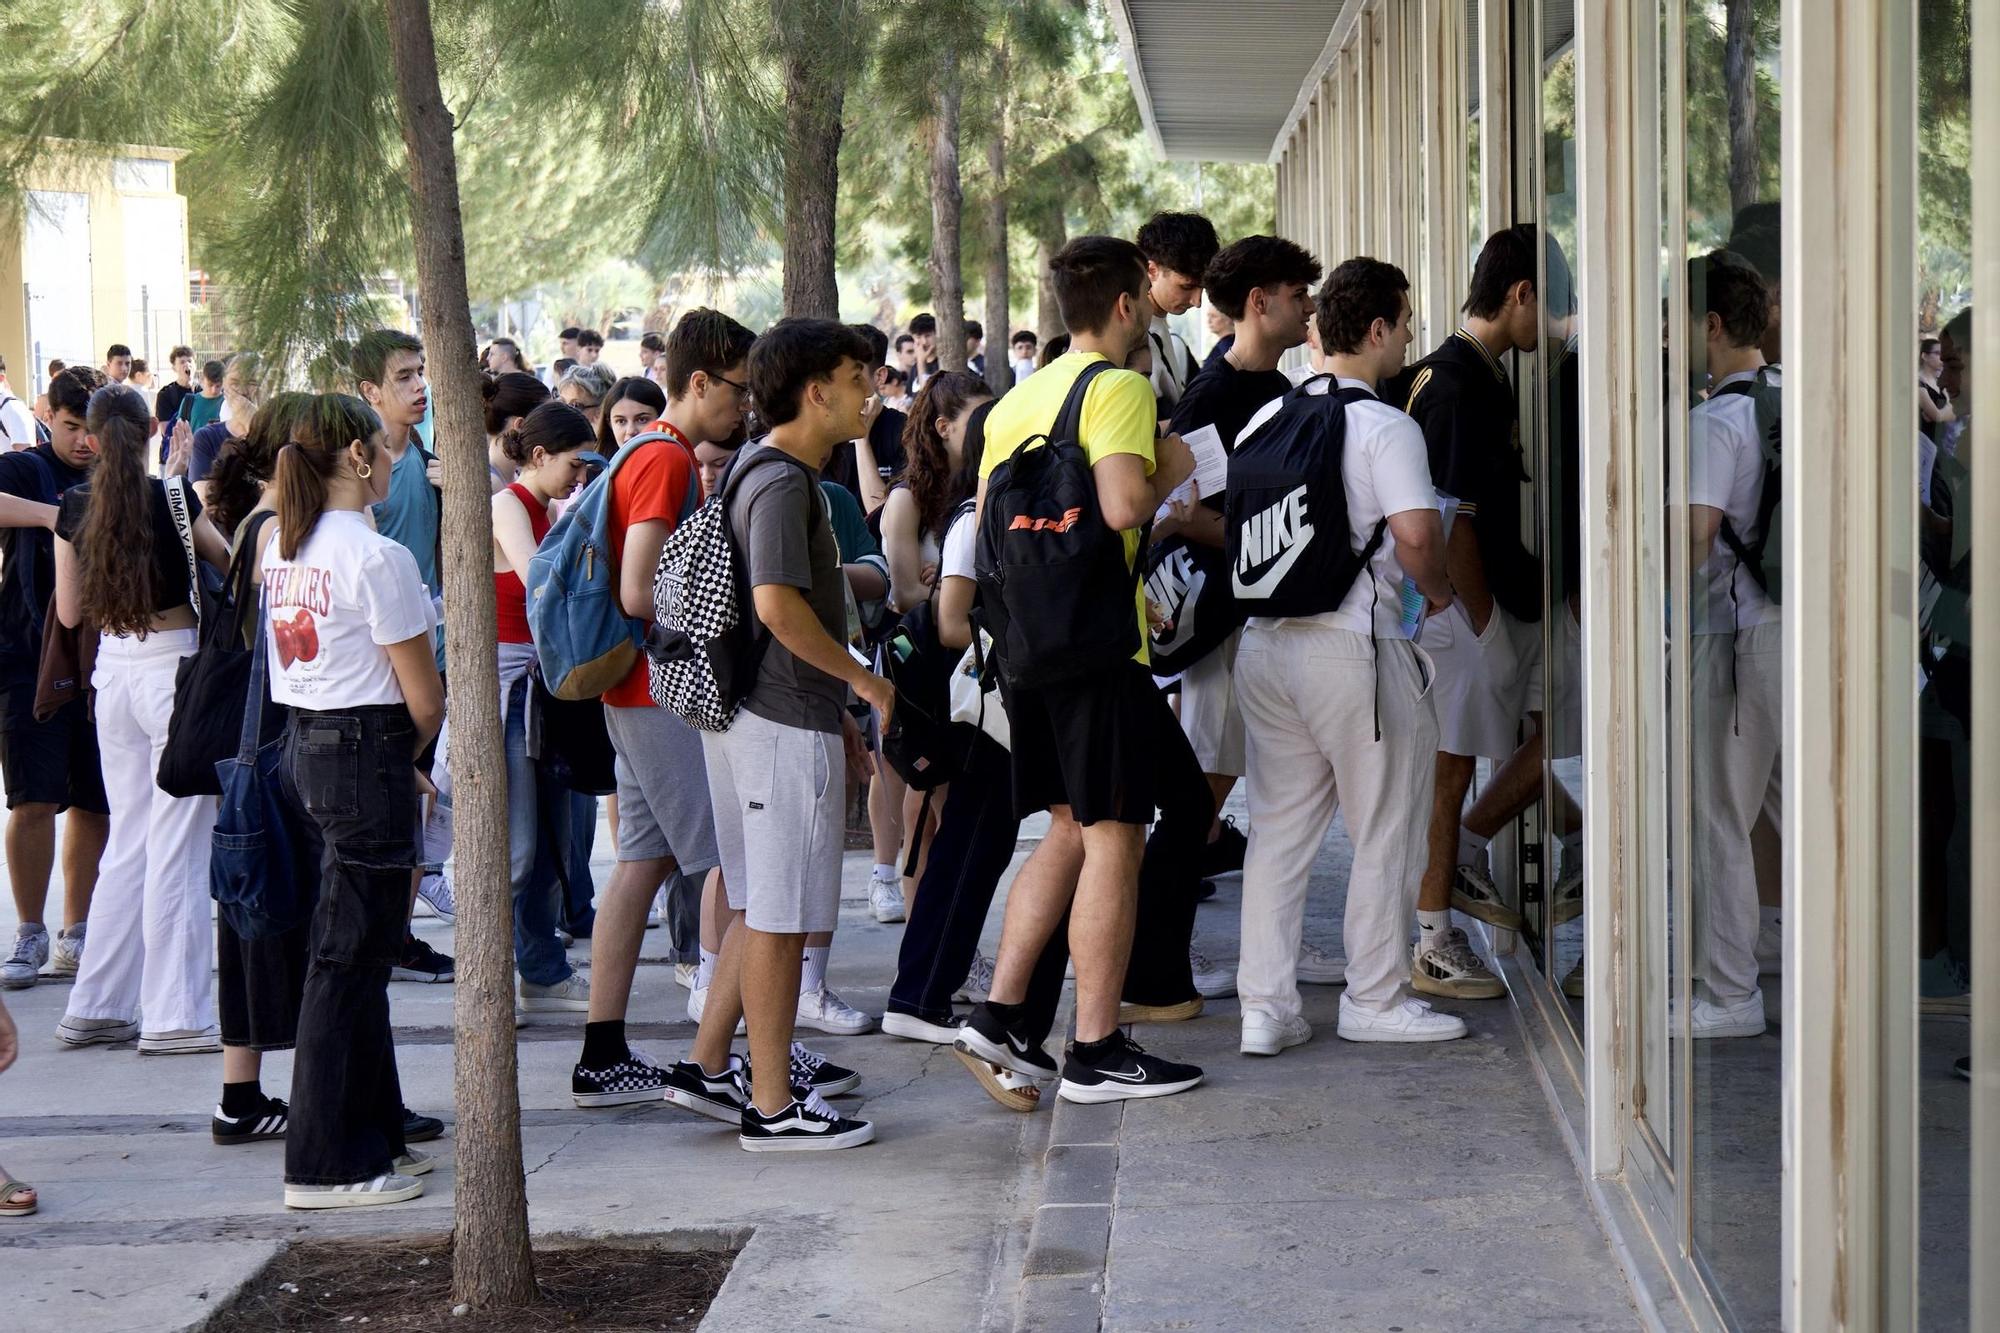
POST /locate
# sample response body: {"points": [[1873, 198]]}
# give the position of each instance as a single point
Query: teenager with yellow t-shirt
{"points": [[1099, 754]]}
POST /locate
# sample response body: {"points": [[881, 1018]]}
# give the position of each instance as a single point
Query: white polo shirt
{"points": [[1385, 469]]}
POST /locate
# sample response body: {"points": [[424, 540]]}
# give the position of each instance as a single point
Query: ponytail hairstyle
{"points": [[510, 395], [114, 548], [243, 466], [934, 483], [637, 388], [554, 428], [315, 455]]}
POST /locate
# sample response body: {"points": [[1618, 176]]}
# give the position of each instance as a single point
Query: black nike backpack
{"points": [[1058, 593], [1285, 519]]}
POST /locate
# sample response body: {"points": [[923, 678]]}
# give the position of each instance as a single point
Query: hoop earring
{"points": [[365, 471]]}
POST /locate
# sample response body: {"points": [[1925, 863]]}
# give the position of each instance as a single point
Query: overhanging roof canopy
{"points": [[1217, 80]]}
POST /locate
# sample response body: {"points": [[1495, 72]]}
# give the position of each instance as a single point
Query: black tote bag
{"points": [[211, 682]]}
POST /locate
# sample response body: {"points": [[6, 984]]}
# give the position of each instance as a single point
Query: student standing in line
{"points": [[1088, 752], [50, 766], [351, 638], [543, 448], [204, 406], [632, 403], [242, 391], [652, 349], [1337, 705], [1736, 680], [666, 829], [167, 406], [1488, 647], [775, 775], [389, 370], [117, 363], [1263, 285], [1023, 348], [1178, 248], [128, 550]]}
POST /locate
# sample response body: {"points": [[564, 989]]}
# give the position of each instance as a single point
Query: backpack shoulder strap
{"points": [[1069, 421]]}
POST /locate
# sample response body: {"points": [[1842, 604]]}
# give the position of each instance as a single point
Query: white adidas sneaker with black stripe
{"points": [[807, 1125], [267, 1122], [386, 1188]]}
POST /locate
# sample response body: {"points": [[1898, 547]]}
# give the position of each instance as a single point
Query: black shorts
{"points": [[1092, 745], [53, 762]]}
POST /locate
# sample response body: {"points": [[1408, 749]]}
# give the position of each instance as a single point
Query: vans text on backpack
{"points": [[586, 644], [1291, 552], [1052, 575]]}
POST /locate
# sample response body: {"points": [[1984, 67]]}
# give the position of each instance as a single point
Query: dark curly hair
{"points": [[114, 547], [934, 483], [1253, 263], [1352, 298], [1182, 243], [243, 466]]}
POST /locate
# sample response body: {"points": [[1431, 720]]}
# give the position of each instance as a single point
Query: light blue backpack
{"points": [[583, 638]]}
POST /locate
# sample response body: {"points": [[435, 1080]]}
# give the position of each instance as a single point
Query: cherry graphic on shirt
{"points": [[305, 635], [286, 637]]}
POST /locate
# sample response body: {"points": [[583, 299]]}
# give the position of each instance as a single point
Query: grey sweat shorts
{"points": [[777, 793], [663, 807]]}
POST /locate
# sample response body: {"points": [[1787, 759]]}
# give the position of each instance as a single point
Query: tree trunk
{"points": [[1049, 238], [947, 218], [1739, 71], [492, 1265], [815, 89], [999, 354]]}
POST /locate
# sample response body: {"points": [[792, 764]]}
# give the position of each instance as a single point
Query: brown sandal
{"points": [[1016, 1092], [17, 1197]]}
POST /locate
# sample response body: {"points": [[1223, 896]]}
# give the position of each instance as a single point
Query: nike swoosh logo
{"points": [[1139, 1077], [1020, 1047], [1270, 578]]}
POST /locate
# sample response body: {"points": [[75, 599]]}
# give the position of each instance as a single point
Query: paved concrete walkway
{"points": [[1335, 1187]]}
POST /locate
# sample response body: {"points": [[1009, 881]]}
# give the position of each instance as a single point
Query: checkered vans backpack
{"points": [[702, 648]]}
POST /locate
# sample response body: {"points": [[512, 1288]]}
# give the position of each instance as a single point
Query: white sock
{"points": [[1470, 845], [1433, 929], [884, 870], [812, 974], [705, 971]]}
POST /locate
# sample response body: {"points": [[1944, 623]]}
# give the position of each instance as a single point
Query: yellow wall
{"points": [[114, 231]]}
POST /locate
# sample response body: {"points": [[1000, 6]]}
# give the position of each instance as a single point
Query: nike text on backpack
{"points": [[583, 638], [703, 644], [1053, 579], [1189, 583], [1290, 549], [1762, 559]]}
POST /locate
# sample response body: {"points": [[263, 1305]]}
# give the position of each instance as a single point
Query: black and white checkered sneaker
{"points": [[633, 1079]]}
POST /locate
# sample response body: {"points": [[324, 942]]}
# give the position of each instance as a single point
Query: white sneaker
{"points": [[1412, 1020], [1213, 980], [698, 1001], [435, 892], [827, 1012], [684, 974], [912, 1028], [413, 1163], [570, 995], [31, 950], [1742, 1019], [1317, 967], [885, 897], [978, 981], [385, 1188], [181, 1041], [1267, 1034], [66, 953]]}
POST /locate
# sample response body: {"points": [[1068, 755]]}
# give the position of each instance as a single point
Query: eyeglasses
{"points": [[743, 389]]}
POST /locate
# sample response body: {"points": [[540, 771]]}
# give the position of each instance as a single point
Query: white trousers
{"points": [[1310, 695], [1736, 692], [151, 942]]}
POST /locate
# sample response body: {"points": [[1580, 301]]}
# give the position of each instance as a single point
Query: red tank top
{"points": [[510, 596]]}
